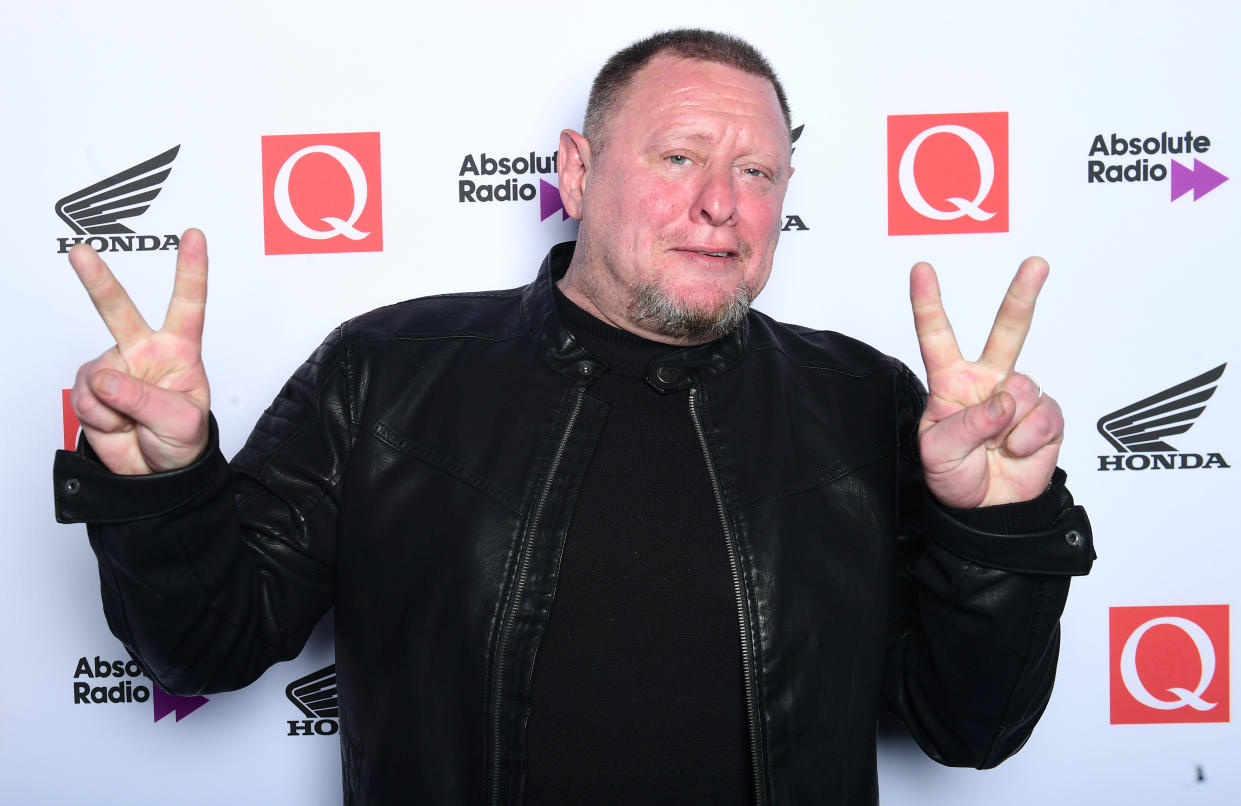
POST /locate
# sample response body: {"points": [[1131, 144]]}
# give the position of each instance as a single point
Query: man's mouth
{"points": [[711, 252]]}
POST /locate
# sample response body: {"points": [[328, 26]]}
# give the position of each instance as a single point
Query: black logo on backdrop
{"points": [[1140, 430], [794, 222], [315, 696], [97, 213], [1142, 159], [103, 681], [496, 180]]}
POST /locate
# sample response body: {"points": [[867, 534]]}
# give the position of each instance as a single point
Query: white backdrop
{"points": [[1142, 297]]}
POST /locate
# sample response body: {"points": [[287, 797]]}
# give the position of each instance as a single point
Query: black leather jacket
{"points": [[419, 472]]}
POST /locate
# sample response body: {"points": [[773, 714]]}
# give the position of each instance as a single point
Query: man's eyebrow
{"points": [[695, 137], [681, 133]]}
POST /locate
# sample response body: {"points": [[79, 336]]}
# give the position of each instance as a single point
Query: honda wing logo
{"points": [[1143, 425], [315, 696], [99, 209], [1140, 430], [97, 213]]}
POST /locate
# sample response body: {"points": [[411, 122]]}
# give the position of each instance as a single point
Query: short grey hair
{"points": [[689, 43]]}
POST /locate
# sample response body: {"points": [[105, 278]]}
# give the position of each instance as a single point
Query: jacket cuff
{"points": [[1021, 517], [87, 492], [1047, 535]]}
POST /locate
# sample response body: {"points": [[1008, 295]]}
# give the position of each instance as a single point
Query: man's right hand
{"points": [[143, 404]]}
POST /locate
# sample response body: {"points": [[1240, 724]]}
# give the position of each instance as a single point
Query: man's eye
{"points": [[679, 159], [756, 172]]}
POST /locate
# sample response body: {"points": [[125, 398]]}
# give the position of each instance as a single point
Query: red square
{"points": [[947, 173], [71, 421], [322, 193], [1169, 664]]}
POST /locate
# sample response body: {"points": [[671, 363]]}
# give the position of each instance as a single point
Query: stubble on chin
{"points": [[656, 310], [651, 306]]}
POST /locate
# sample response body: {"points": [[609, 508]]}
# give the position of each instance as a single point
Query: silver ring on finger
{"points": [[1037, 382]]}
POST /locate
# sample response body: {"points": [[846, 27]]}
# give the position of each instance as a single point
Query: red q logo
{"points": [[947, 173], [1169, 664], [321, 193]]}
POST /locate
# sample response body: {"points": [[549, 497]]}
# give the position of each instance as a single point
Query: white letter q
{"points": [[357, 177]]}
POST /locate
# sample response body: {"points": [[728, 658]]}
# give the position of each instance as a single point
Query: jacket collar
{"points": [[679, 368]]}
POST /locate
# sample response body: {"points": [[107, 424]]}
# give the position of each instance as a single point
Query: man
{"points": [[611, 537]]}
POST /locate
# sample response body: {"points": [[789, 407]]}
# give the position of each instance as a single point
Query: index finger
{"points": [[1012, 320], [935, 337], [188, 305], [117, 310]]}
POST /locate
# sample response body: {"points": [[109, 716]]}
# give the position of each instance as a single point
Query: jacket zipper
{"points": [[510, 614], [746, 639]]}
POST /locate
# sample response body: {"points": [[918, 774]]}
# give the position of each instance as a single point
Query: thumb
{"points": [[119, 391], [950, 440], [166, 413], [983, 422]]}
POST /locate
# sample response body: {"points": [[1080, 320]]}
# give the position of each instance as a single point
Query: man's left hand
{"points": [[988, 435]]}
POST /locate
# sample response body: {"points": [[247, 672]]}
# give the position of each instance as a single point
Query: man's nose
{"points": [[717, 198]]}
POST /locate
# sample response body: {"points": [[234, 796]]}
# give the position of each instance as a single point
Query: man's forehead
{"points": [[669, 83], [669, 73]]}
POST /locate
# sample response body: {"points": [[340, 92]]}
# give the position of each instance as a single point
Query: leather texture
{"points": [[419, 472]]}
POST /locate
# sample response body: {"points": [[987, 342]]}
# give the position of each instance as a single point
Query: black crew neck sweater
{"points": [[637, 694]]}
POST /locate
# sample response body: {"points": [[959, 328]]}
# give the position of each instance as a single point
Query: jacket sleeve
{"points": [[976, 610], [211, 573]]}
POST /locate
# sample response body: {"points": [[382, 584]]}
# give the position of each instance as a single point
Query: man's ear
{"points": [[572, 167]]}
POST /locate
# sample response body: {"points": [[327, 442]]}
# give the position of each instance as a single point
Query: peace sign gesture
{"points": [[988, 435], [143, 404]]}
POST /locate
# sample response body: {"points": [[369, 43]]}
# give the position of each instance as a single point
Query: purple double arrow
{"points": [[1201, 179], [166, 704]]}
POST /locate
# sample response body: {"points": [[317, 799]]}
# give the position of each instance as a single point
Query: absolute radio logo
{"points": [[315, 696], [117, 682], [1125, 160], [97, 213], [1140, 430], [947, 174], [1169, 664], [322, 193], [510, 178]]}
